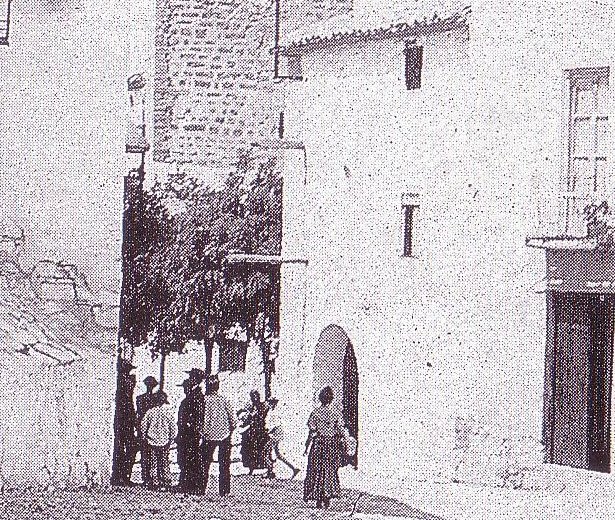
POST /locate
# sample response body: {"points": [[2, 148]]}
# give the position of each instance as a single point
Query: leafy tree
{"points": [[600, 224], [184, 287]]}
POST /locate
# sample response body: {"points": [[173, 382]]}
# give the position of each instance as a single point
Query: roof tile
{"points": [[359, 25]]}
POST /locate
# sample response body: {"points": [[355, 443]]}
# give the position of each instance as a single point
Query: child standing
{"points": [[275, 436], [158, 429]]}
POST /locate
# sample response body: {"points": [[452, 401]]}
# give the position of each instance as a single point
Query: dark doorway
{"points": [[335, 365], [350, 397], [578, 382]]}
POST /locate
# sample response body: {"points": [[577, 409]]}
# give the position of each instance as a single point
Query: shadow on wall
{"points": [[329, 362], [54, 6]]}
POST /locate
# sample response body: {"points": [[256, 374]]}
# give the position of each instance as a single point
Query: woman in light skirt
{"points": [[325, 443]]}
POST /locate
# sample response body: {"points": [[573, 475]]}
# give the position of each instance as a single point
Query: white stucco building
{"points": [[425, 148]]}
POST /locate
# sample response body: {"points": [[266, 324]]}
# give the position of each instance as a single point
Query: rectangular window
{"points": [[409, 217], [5, 17], [232, 356], [294, 67], [287, 66], [588, 142], [414, 65], [588, 131]]}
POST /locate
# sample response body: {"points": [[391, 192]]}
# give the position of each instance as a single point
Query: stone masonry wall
{"points": [[215, 91]]}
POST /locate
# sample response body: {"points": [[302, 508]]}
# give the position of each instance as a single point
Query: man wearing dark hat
{"points": [[196, 374], [218, 425], [126, 444], [146, 402], [189, 425]]}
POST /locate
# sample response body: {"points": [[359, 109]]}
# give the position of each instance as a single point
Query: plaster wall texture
{"points": [[58, 383], [57, 422], [451, 340], [64, 112], [63, 124]]}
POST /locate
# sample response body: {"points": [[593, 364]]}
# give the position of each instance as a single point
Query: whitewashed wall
{"points": [[454, 338], [63, 106], [64, 103]]}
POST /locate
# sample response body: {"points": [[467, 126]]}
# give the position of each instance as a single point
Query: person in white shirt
{"points": [[275, 434], [218, 425], [158, 429]]}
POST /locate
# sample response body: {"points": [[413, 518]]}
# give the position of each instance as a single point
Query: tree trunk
{"points": [[133, 184], [163, 362], [207, 339], [264, 346], [209, 347]]}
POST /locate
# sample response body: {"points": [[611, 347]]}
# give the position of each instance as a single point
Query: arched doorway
{"points": [[335, 365]]}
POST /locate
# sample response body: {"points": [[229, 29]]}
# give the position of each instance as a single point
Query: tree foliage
{"points": [[184, 287], [600, 224]]}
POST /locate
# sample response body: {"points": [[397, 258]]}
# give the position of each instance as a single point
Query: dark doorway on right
{"points": [[335, 365], [578, 379]]}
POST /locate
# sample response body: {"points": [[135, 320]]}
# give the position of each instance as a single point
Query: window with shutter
{"points": [[414, 65]]}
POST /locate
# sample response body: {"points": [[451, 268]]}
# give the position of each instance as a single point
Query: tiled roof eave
{"points": [[563, 243], [398, 30]]}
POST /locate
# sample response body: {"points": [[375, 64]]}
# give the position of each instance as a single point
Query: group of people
{"points": [[205, 423]]}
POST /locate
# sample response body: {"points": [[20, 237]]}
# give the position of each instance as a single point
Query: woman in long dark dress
{"points": [[322, 482], [254, 439]]}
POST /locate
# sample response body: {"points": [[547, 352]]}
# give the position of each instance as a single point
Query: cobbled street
{"points": [[252, 498]]}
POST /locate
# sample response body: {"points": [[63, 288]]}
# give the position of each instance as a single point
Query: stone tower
{"points": [[215, 87]]}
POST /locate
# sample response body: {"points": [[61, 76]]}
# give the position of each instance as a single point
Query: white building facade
{"points": [[426, 149]]}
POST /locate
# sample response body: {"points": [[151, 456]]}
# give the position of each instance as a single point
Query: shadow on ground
{"points": [[252, 498]]}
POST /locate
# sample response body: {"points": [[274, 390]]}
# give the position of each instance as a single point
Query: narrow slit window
{"points": [[281, 126], [409, 220], [414, 65]]}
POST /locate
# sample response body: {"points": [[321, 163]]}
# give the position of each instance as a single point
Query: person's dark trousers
{"points": [[191, 476], [224, 462], [145, 461], [181, 461], [126, 449]]}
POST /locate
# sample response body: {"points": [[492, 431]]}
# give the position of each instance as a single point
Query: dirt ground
{"points": [[252, 498]]}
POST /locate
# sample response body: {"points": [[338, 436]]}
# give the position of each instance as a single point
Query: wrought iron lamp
{"points": [[136, 141]]}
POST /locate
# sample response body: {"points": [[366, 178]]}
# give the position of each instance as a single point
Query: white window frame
{"points": [[575, 200]]}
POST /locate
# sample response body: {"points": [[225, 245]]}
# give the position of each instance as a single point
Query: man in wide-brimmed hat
{"points": [[189, 425], [145, 402], [218, 425], [196, 375]]}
